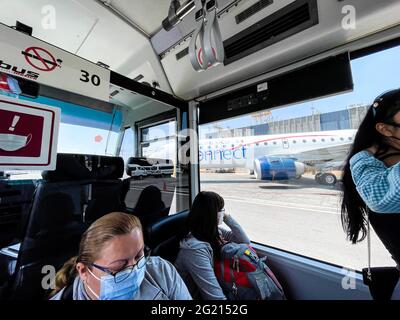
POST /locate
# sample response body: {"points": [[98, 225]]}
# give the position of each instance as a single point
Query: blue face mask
{"points": [[123, 290]]}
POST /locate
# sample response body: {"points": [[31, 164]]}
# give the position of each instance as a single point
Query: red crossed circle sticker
{"points": [[40, 59]]}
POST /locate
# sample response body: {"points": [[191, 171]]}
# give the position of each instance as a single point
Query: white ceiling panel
{"points": [[148, 14], [69, 29], [87, 28]]}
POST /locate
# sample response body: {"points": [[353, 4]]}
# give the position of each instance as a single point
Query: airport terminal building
{"points": [[349, 118]]}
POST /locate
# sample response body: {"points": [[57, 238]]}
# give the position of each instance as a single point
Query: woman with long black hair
{"points": [[198, 248], [371, 180]]}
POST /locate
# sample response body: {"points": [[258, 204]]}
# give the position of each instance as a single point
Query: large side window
{"points": [[279, 171]]}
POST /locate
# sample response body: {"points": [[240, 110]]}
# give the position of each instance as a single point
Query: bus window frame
{"points": [[121, 140], [159, 119], [166, 138]]}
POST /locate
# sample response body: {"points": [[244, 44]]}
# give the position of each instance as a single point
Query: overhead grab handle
{"points": [[213, 50], [210, 50], [196, 60]]}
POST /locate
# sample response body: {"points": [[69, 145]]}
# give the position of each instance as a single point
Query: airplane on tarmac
{"points": [[274, 157]]}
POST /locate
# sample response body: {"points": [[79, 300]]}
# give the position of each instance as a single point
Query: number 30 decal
{"points": [[94, 79]]}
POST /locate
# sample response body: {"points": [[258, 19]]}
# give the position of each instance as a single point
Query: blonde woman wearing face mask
{"points": [[113, 264]]}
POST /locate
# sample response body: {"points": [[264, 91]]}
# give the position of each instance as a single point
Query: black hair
{"points": [[203, 219], [354, 209], [149, 201]]}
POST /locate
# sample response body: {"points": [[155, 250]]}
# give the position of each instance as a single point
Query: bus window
{"points": [[158, 141], [153, 163], [288, 195]]}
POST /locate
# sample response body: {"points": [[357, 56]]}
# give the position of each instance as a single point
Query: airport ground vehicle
{"points": [[137, 171], [309, 52], [164, 170]]}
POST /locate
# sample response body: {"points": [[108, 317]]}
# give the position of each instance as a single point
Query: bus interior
{"points": [[297, 71]]}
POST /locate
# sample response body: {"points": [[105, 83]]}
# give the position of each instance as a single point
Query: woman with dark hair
{"points": [[203, 242], [371, 180], [149, 202], [150, 207]]}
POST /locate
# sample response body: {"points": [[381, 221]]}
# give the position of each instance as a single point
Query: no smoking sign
{"points": [[41, 59], [26, 57]]}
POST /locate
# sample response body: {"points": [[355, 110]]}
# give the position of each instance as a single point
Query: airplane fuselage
{"points": [[242, 151]]}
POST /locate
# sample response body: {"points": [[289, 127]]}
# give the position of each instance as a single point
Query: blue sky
{"points": [[372, 75]]}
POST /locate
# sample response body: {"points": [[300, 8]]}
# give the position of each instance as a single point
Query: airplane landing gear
{"points": [[327, 179]]}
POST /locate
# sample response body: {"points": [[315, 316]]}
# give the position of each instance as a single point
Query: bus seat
{"points": [[105, 198], [163, 236], [148, 219], [77, 167], [53, 235], [7, 269], [105, 193], [104, 181], [16, 198], [56, 223]]}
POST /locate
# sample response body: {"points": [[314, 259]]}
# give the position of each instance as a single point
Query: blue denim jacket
{"points": [[378, 185]]}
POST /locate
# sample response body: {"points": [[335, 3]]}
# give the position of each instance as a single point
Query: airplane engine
{"points": [[276, 168]]}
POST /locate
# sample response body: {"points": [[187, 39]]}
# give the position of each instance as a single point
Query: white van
{"points": [[165, 169], [136, 171]]}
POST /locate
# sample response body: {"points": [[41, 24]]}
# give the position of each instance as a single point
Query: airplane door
{"points": [[285, 143]]}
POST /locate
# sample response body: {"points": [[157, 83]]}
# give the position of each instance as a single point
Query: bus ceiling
{"points": [[129, 37]]}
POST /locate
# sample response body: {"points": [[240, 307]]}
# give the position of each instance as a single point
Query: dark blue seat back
{"points": [[65, 203]]}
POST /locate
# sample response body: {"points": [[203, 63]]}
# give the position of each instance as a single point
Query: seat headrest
{"points": [[76, 167], [165, 228]]}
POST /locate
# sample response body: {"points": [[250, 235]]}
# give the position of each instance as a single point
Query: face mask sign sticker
{"points": [[28, 135], [12, 142]]}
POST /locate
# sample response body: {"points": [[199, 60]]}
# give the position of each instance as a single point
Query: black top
{"points": [[387, 226]]}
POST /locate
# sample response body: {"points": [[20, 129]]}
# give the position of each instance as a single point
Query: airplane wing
{"points": [[336, 153]]}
